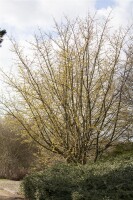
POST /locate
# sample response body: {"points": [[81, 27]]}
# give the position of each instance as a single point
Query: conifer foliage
{"points": [[2, 33]]}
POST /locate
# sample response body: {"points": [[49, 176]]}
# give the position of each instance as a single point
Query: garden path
{"points": [[10, 190]]}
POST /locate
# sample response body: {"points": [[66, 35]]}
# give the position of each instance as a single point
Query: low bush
{"points": [[101, 181], [123, 148]]}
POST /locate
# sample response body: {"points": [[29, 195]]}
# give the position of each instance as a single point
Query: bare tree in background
{"points": [[127, 94], [68, 92]]}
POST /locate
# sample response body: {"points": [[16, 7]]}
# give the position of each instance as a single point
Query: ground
{"points": [[10, 190]]}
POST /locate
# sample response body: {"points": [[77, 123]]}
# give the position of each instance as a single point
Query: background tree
{"points": [[17, 152], [68, 91], [2, 33], [127, 95]]}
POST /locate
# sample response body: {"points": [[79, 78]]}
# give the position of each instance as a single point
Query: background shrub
{"points": [[109, 180]]}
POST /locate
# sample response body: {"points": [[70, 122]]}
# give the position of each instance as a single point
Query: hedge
{"points": [[103, 181]]}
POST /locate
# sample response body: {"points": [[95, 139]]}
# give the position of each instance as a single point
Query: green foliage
{"points": [[122, 151], [111, 180], [123, 148]]}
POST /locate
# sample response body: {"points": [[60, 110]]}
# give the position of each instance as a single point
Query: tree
{"points": [[17, 153], [69, 94], [2, 33], [127, 94]]}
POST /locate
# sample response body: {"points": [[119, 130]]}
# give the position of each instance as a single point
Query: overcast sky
{"points": [[22, 17]]}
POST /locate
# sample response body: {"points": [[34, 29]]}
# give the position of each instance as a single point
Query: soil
{"points": [[10, 190]]}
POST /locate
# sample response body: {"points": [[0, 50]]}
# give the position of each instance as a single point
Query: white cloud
{"points": [[28, 13], [21, 17], [123, 12], [5, 54]]}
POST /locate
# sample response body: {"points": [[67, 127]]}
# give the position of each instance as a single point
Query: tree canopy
{"points": [[69, 88]]}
